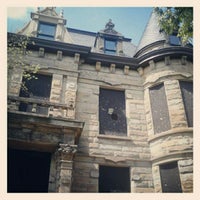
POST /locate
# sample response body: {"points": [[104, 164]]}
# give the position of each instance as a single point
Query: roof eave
{"points": [[173, 52]]}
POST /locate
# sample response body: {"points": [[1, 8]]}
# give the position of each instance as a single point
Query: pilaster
{"points": [[64, 167]]}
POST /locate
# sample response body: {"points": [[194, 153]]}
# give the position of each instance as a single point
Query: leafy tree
{"points": [[17, 57], [177, 20]]}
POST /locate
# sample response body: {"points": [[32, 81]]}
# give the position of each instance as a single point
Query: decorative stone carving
{"points": [[71, 86], [70, 113], [49, 11], [70, 97], [61, 13], [66, 148], [109, 27], [64, 166]]}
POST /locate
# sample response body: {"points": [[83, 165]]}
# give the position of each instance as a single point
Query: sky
{"points": [[129, 21]]}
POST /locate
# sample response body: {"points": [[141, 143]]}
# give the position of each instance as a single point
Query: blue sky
{"points": [[129, 21]]}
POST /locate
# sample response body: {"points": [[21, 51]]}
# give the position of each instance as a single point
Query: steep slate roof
{"points": [[80, 37], [151, 40], [87, 38], [151, 33]]}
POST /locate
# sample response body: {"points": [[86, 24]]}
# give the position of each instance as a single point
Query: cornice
{"points": [[107, 60], [173, 52]]}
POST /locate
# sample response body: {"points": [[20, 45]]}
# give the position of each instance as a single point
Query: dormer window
{"points": [[46, 31], [110, 46], [109, 41]]}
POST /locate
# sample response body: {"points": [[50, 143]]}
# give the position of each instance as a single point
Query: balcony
{"points": [[40, 107], [38, 124]]}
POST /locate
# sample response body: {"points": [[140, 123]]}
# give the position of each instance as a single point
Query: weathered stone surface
{"points": [[76, 85]]}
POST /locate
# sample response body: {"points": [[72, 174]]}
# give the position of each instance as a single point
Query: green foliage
{"points": [[177, 20], [17, 57]]}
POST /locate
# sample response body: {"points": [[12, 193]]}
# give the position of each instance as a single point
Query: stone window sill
{"points": [[170, 132], [114, 137]]}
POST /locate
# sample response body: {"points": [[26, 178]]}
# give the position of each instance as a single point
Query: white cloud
{"points": [[18, 12]]}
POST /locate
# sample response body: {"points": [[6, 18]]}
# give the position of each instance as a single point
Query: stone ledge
{"points": [[114, 137], [172, 157], [170, 132]]}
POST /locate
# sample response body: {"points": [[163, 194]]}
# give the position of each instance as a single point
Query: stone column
{"points": [[14, 81], [55, 97], [64, 167], [70, 96]]}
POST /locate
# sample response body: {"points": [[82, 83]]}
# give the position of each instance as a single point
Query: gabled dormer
{"points": [[47, 24], [109, 41]]}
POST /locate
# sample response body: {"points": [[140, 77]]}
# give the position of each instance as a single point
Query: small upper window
{"points": [[110, 46], [174, 40], [46, 31]]}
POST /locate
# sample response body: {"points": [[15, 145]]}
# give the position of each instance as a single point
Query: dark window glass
{"points": [[159, 108], [112, 115], [46, 31], [170, 178], [187, 95], [174, 40], [39, 88], [114, 179], [110, 46]]}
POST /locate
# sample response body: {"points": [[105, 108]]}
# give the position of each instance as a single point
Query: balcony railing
{"points": [[40, 107]]}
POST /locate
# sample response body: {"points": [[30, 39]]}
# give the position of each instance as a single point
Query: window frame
{"points": [[164, 116], [189, 116], [112, 114], [169, 171], [48, 36], [174, 40], [109, 50], [33, 90]]}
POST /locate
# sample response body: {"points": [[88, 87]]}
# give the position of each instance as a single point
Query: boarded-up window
{"points": [[159, 108], [170, 178], [187, 95], [112, 115]]}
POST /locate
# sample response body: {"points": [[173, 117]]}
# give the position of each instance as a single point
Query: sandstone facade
{"points": [[71, 129]]}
